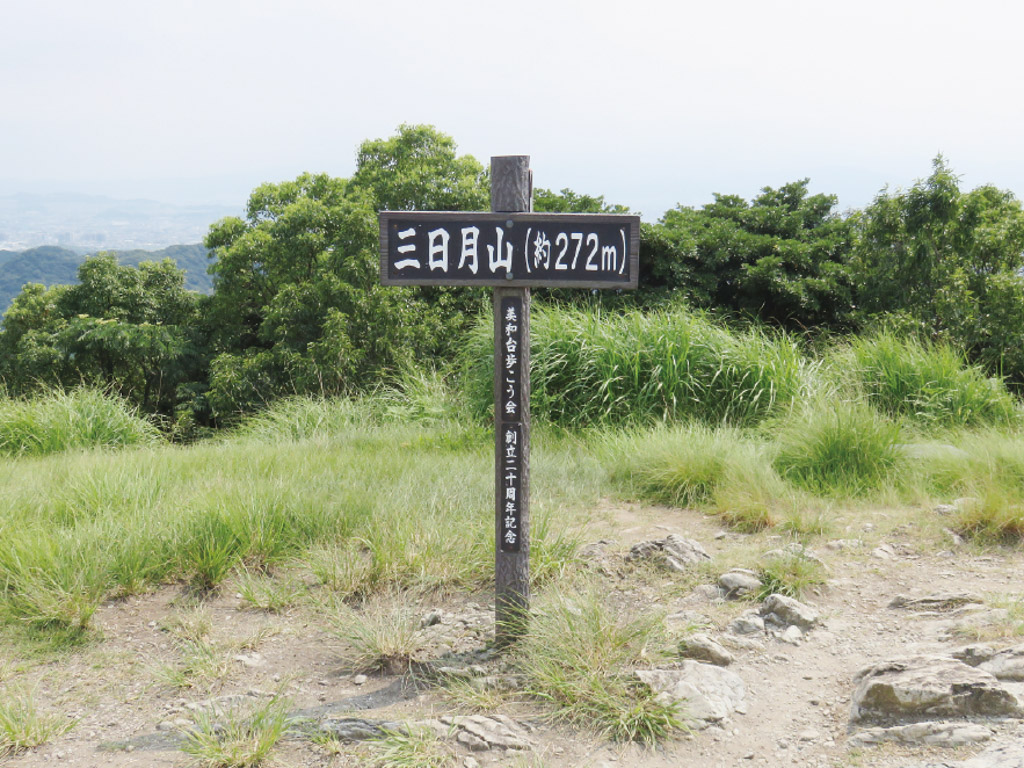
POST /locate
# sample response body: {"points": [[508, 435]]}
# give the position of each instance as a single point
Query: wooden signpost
{"points": [[512, 250]]}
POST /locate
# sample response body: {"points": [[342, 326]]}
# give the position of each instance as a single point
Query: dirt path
{"points": [[127, 711]]}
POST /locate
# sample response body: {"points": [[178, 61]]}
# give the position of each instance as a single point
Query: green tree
{"points": [[947, 264], [418, 169], [567, 201], [783, 257], [121, 327], [298, 306]]}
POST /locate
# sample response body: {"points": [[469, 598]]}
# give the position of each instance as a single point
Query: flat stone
{"points": [[919, 688], [739, 582], [974, 654], [703, 648], [492, 731], [1007, 664], [787, 611], [750, 623], [792, 635], [706, 694], [674, 552], [356, 728], [707, 593], [884, 552], [1001, 756], [941, 734], [945, 601]]}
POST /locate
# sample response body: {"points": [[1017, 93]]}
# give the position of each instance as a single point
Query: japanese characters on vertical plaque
{"points": [[511, 405]]}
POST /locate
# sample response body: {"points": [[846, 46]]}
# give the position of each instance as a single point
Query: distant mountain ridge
{"points": [[54, 265]]}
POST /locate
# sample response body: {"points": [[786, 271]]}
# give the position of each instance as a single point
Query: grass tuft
{"points": [[790, 572], [996, 516], [578, 654], [695, 465], [62, 421], [842, 449], [413, 748], [239, 738], [381, 636], [23, 726]]}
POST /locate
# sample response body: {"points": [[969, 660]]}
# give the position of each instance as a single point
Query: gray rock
{"points": [[706, 694], [975, 654], [685, 551], [707, 593], [792, 635], [750, 623], [742, 643], [598, 557], [1001, 756], [480, 732], [919, 688], [739, 582], [944, 601], [788, 611], [884, 552], [703, 648], [673, 552], [1007, 664], [430, 619], [793, 550], [356, 728], [942, 734]]}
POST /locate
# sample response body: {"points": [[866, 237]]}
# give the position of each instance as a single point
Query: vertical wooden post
{"points": [[511, 192]]}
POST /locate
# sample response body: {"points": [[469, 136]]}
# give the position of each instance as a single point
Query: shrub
{"points": [[593, 367], [927, 382], [62, 421]]}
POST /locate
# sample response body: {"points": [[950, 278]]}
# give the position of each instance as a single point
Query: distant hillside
{"points": [[53, 265]]}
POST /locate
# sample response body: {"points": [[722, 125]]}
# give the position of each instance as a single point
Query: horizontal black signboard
{"points": [[569, 250]]}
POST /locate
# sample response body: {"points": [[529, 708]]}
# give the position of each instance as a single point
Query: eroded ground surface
{"points": [[129, 692]]}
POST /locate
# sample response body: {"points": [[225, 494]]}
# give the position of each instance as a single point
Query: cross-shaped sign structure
{"points": [[512, 250]]}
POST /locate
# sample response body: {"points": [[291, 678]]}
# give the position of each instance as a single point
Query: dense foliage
{"points": [[783, 257], [947, 264], [126, 328], [296, 306]]}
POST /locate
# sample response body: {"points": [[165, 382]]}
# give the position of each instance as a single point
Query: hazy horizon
{"points": [[651, 105]]}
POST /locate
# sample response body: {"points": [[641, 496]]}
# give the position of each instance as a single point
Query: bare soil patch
{"points": [[131, 691]]}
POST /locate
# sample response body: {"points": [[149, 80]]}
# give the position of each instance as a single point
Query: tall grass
{"points": [[369, 504], [65, 420], [694, 465], [929, 383], [591, 367], [839, 449]]}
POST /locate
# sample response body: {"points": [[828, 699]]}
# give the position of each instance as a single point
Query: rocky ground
{"points": [[911, 655]]}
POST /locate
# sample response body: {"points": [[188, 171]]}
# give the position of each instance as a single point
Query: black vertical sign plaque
{"points": [[512, 445]]}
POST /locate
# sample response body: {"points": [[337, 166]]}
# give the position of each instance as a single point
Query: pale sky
{"points": [[649, 103]]}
